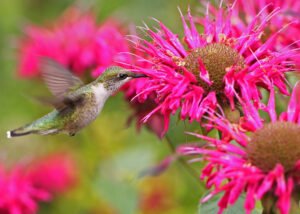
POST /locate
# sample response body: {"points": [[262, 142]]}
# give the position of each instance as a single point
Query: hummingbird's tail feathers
{"points": [[49, 124], [21, 132]]}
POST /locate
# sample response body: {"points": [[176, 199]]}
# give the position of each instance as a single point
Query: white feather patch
{"points": [[8, 134], [101, 94]]}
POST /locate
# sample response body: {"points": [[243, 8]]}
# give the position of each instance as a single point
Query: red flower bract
{"points": [[211, 67], [263, 163], [140, 109], [76, 41]]}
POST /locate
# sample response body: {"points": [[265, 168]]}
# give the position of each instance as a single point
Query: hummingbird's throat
{"points": [[275, 143], [216, 58]]}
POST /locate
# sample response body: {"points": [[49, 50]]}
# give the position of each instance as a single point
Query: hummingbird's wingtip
{"points": [[8, 134]]}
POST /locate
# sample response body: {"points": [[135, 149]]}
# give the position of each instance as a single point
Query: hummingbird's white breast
{"points": [[101, 95]]}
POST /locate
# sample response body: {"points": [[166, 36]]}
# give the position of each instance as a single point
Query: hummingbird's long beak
{"points": [[135, 75]]}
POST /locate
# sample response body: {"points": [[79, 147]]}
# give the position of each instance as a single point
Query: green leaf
{"points": [[118, 178], [177, 129], [120, 194]]}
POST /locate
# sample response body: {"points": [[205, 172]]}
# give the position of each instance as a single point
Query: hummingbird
{"points": [[76, 104]]}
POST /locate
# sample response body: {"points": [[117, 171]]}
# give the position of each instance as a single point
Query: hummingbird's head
{"points": [[114, 77]]}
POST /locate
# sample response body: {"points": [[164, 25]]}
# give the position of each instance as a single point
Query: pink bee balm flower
{"points": [[264, 164], [209, 68], [76, 41], [278, 24]]}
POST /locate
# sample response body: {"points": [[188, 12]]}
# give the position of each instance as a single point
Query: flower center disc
{"points": [[275, 143], [216, 58]]}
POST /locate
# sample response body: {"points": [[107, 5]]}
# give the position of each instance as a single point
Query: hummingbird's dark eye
{"points": [[122, 76]]}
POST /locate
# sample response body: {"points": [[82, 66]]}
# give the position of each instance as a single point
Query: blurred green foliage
{"points": [[109, 155]]}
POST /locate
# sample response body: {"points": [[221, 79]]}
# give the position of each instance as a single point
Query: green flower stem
{"points": [[269, 204], [185, 165], [295, 208], [203, 131]]}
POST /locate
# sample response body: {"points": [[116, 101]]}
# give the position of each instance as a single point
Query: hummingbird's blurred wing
{"points": [[69, 101], [58, 79], [61, 82]]}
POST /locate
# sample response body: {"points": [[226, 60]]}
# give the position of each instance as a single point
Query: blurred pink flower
{"points": [[264, 164], [54, 173], [157, 195], [211, 67], [23, 187], [76, 41], [19, 194]]}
